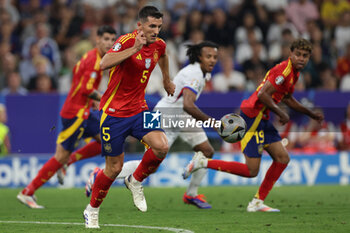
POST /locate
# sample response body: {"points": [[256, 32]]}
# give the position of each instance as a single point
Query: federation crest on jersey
{"points": [[148, 63], [107, 147], [116, 47], [155, 56], [279, 80]]}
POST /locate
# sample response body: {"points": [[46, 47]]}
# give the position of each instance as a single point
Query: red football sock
{"points": [[271, 177], [88, 151], [44, 174], [149, 164], [100, 189], [232, 167]]}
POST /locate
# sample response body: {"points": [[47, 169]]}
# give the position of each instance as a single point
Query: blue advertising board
{"points": [[302, 170]]}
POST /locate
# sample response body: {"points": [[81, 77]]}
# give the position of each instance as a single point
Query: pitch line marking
{"points": [[176, 230]]}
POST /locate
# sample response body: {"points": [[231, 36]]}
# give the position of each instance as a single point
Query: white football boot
{"points": [[258, 205], [198, 161], [91, 217], [29, 201], [137, 192]]}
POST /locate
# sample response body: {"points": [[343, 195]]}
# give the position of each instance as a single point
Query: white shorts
{"points": [[191, 138]]}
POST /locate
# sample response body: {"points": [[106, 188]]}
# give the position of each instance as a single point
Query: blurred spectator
{"points": [[41, 64], [220, 31], [345, 83], [250, 49], [273, 5], [65, 79], [328, 80], [8, 65], [300, 12], [7, 6], [7, 31], [343, 63], [14, 86], [229, 79], [316, 138], [193, 22], [196, 37], [28, 66], [313, 69], [66, 25], [43, 84], [331, 11], [249, 25], [48, 47], [276, 28], [342, 33], [167, 31], [344, 136], [5, 145]]}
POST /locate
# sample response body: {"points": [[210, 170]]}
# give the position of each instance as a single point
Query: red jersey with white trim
{"points": [[86, 78], [125, 94], [283, 77]]}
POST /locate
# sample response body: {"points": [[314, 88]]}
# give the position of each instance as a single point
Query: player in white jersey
{"points": [[190, 81]]}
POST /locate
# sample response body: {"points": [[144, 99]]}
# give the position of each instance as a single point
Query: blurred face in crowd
{"points": [[299, 58], [208, 59], [105, 42], [3, 114], [151, 28]]}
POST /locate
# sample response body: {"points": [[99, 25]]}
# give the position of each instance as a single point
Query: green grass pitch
{"points": [[303, 209]]}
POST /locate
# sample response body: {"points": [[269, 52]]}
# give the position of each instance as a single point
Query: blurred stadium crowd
{"points": [[41, 40]]}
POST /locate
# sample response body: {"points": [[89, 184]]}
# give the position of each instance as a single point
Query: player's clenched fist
{"points": [[169, 87], [140, 40]]}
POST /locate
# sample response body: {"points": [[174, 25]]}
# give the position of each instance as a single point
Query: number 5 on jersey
{"points": [[144, 76], [106, 136]]}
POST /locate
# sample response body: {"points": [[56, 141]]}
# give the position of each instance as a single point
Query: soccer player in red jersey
{"points": [[75, 115], [132, 59], [278, 85]]}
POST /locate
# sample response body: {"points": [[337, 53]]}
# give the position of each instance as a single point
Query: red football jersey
{"points": [[125, 94], [86, 78], [283, 77]]}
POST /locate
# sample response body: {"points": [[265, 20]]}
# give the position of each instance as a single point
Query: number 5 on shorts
{"points": [[106, 136]]}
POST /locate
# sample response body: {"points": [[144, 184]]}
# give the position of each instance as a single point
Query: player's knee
{"points": [[113, 171], [283, 159], [160, 149]]}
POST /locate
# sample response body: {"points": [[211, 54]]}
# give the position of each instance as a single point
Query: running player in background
{"points": [[278, 85], [132, 59], [75, 115], [190, 82]]}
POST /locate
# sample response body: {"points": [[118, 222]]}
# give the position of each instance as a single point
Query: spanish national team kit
{"points": [[76, 118], [261, 132], [123, 103]]}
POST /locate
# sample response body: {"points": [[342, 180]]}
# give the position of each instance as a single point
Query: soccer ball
{"points": [[233, 127]]}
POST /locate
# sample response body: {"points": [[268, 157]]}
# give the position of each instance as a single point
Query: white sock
{"points": [[196, 180], [128, 168]]}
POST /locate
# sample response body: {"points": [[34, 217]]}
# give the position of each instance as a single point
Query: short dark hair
{"points": [[105, 29], [302, 44], [149, 11], [194, 51]]}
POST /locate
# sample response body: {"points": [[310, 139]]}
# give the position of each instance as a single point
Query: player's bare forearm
{"points": [[112, 59], [169, 86], [95, 95], [294, 104], [191, 108]]}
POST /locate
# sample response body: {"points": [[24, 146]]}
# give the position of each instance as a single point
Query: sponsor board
{"points": [[302, 170]]}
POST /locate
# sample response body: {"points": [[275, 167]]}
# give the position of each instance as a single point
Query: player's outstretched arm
{"points": [[265, 96], [163, 62], [291, 102], [112, 59]]}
